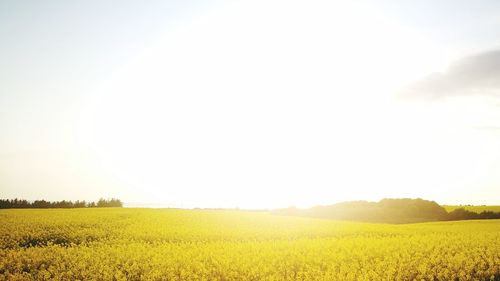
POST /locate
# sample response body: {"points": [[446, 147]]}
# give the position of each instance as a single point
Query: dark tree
{"points": [[19, 203]]}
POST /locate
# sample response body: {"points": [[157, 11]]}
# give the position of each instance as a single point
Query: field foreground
{"points": [[168, 244]]}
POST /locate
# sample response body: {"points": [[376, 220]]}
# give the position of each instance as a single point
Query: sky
{"points": [[250, 104]]}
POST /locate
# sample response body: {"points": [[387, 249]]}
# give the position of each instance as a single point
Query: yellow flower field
{"points": [[170, 244]]}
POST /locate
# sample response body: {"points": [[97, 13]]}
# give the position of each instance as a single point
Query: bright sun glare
{"points": [[243, 106]]}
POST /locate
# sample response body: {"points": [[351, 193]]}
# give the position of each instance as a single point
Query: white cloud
{"points": [[477, 74]]}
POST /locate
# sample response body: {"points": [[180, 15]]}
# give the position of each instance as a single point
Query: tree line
{"points": [[388, 211], [43, 204], [463, 214]]}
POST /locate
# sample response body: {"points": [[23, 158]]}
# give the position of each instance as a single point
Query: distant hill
{"points": [[403, 210]]}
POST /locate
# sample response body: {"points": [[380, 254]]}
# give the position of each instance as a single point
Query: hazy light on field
{"points": [[273, 103]]}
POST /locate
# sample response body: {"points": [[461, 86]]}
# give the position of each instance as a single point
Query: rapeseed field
{"points": [[172, 244]]}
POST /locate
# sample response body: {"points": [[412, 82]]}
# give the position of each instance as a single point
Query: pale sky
{"points": [[250, 104]]}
